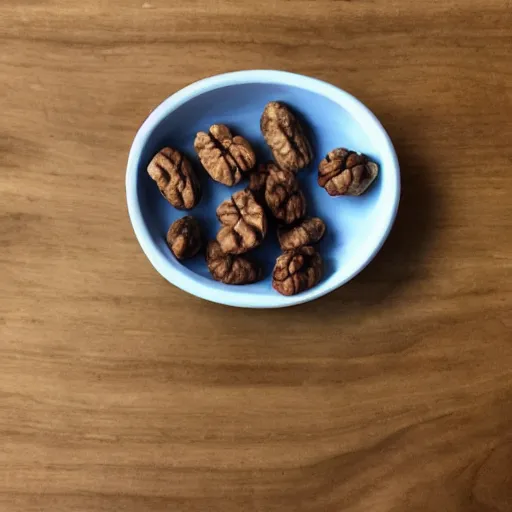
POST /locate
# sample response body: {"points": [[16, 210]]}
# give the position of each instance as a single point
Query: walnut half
{"points": [[297, 270], [184, 237], [283, 195], [230, 269], [175, 178], [224, 157], [344, 172], [285, 136], [306, 232], [258, 181], [244, 223]]}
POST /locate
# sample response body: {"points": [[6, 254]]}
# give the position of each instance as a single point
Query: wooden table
{"points": [[120, 392]]}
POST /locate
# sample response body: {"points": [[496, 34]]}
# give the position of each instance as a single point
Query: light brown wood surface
{"points": [[120, 392]]}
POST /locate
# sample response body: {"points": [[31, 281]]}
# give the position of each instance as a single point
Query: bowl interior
{"points": [[355, 225]]}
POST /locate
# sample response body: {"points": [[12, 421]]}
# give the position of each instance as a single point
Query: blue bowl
{"points": [[356, 226]]}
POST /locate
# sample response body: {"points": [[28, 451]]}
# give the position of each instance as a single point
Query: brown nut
{"points": [[344, 172], [230, 269], [244, 223], [258, 180], [306, 232], [297, 270], [184, 237], [283, 195], [285, 136], [223, 156], [175, 178]]}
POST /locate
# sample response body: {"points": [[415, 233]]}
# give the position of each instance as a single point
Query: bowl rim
{"points": [[188, 281]]}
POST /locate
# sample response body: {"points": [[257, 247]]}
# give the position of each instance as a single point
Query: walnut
{"points": [[230, 269], [285, 136], [223, 156], [297, 270], [244, 223], [184, 237], [344, 172], [258, 180], [283, 195], [175, 178], [306, 232]]}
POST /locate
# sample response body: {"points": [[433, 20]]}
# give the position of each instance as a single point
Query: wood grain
{"points": [[120, 392]]}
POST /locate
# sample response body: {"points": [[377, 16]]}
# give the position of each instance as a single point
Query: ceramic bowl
{"points": [[356, 226]]}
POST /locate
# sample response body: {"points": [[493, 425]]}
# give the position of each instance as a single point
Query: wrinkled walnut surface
{"points": [[306, 232], [344, 172], [230, 269], [224, 157], [297, 270], [283, 195], [175, 178], [285, 136], [258, 181], [184, 237], [244, 223]]}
